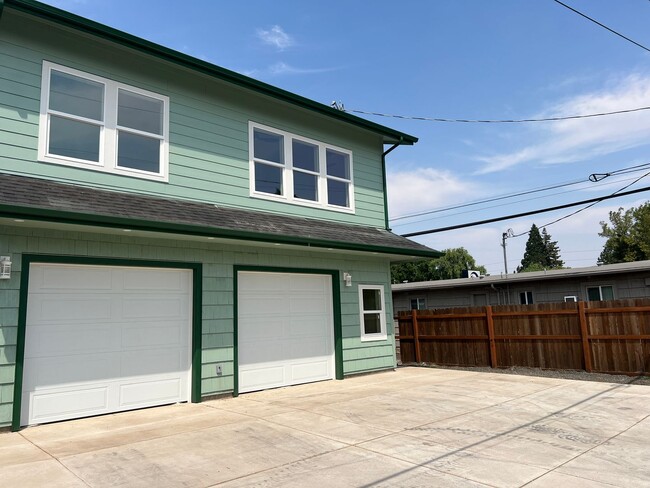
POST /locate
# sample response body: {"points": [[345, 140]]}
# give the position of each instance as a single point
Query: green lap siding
{"points": [[208, 151], [218, 261]]}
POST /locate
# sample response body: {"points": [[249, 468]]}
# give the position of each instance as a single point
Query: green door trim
{"points": [[336, 312], [197, 300]]}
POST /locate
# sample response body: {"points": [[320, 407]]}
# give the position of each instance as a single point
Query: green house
{"points": [[171, 230]]}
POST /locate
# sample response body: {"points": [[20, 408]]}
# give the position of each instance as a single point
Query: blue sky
{"points": [[474, 59]]}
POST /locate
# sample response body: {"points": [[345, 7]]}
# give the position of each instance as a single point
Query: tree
{"points": [[448, 266], [541, 252], [627, 234]]}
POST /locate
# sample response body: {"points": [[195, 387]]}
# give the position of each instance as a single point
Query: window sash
{"points": [[365, 314], [110, 130], [291, 172]]}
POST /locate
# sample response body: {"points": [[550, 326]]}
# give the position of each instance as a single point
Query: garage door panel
{"points": [[136, 336], [147, 362], [312, 304], [84, 279], [285, 329], [64, 340], [311, 371], [154, 279], [152, 392], [152, 307], [45, 373], [51, 309], [88, 353], [59, 405]]}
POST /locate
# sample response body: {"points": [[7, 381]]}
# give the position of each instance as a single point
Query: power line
{"points": [[588, 206], [596, 178], [602, 25], [524, 214], [492, 121]]}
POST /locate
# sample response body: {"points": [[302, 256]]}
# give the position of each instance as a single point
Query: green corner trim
{"points": [[67, 217], [82, 24], [197, 300], [336, 312]]}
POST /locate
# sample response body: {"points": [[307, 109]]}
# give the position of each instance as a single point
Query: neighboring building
{"points": [[177, 230], [608, 282]]}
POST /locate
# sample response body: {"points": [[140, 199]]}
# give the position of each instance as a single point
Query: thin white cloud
{"points": [[276, 37], [426, 188], [282, 68], [583, 139]]}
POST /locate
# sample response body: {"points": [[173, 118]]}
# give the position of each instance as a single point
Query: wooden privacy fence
{"points": [[608, 337]]}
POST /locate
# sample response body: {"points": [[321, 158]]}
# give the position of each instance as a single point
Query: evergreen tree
{"points": [[552, 251], [541, 252]]}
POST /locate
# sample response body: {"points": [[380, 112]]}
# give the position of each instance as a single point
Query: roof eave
{"points": [[47, 12], [94, 220]]}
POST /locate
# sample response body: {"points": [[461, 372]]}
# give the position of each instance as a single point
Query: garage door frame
{"points": [[197, 293], [336, 312]]}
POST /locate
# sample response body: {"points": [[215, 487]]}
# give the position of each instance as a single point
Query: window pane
{"points": [[268, 146], [607, 292], [76, 96], [305, 186], [268, 179], [140, 112], [138, 152], [305, 156], [338, 164], [337, 193], [74, 139], [371, 323], [371, 299], [593, 294]]}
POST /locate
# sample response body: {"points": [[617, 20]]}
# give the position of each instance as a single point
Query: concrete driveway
{"points": [[412, 427]]}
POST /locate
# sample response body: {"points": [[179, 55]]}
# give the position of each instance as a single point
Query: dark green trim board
{"points": [[2, 6], [88, 26], [197, 300], [385, 184], [67, 217], [336, 312]]}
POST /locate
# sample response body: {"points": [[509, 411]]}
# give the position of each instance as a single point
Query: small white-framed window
{"points": [[600, 292], [372, 312], [88, 121], [570, 298], [294, 169], [526, 298], [418, 304]]}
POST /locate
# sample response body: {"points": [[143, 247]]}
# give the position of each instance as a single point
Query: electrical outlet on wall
{"points": [[219, 370]]}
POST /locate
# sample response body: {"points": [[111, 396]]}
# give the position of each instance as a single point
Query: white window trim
{"points": [[287, 171], [526, 293], [382, 335], [108, 134]]}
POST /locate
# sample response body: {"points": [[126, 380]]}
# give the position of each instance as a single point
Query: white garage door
{"points": [[103, 339], [285, 329]]}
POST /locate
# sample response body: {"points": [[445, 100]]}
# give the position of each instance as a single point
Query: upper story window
{"points": [[96, 123], [286, 167]]}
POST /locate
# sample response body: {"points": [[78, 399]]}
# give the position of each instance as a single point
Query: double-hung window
{"points": [[299, 170], [92, 122], [373, 315]]}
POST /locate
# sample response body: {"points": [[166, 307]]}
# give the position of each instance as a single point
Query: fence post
{"points": [[584, 334], [416, 335], [490, 327]]}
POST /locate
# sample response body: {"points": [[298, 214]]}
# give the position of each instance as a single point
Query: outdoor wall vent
{"points": [[5, 267]]}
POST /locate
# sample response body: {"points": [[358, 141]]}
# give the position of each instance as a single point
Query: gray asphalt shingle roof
{"points": [[37, 199]]}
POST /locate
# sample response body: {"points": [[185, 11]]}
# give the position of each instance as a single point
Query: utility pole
{"points": [[504, 236]]}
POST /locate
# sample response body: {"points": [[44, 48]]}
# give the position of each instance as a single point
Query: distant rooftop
{"points": [[551, 274]]}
